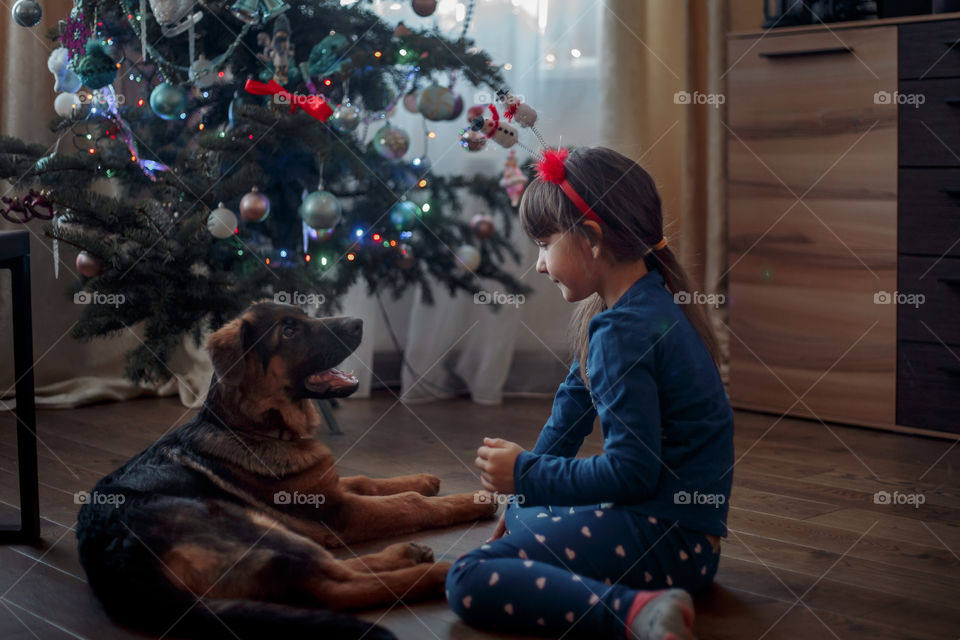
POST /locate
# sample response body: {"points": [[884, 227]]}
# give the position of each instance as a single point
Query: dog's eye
{"points": [[289, 331]]}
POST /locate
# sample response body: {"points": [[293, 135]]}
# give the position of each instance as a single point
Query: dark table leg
{"points": [[29, 531]]}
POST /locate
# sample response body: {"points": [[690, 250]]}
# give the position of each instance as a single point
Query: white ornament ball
{"points": [[468, 258], [67, 104], [222, 222]]}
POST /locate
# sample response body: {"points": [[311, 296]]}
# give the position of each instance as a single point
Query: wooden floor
{"points": [[810, 554]]}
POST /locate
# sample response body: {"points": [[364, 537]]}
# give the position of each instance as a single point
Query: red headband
{"points": [[551, 169]]}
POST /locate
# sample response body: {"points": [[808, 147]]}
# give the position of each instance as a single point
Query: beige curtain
{"points": [[67, 373], [657, 48]]}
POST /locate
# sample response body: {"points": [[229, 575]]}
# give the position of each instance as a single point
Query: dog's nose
{"points": [[354, 327]]}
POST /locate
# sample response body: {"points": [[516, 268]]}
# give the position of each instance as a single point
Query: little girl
{"points": [[611, 544]]}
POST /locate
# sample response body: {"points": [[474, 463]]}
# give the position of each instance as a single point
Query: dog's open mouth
{"points": [[332, 382]]}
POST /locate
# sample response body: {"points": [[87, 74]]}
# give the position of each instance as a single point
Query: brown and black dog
{"points": [[221, 528]]}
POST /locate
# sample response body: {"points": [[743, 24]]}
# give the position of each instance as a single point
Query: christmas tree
{"points": [[195, 110]]}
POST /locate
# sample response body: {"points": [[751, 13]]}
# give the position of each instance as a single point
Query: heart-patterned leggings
{"points": [[560, 567]]}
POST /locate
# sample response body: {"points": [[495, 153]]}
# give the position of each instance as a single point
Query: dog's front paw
{"points": [[419, 553], [429, 484], [486, 503]]}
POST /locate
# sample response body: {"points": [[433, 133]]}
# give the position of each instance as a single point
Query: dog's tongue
{"points": [[333, 377]]}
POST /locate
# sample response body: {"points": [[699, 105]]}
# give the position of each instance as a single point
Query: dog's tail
{"points": [[216, 619]]}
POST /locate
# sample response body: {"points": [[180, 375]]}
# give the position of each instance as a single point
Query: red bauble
{"points": [[254, 207], [89, 265], [482, 226], [424, 8]]}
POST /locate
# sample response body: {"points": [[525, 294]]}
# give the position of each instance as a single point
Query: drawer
{"points": [[928, 386], [938, 281], [930, 132], [799, 102], [928, 218], [927, 49]]}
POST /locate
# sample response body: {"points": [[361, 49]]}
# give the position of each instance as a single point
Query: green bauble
{"points": [[96, 69], [327, 56], [403, 215], [168, 101], [320, 210]]}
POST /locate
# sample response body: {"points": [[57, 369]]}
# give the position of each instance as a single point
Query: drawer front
{"points": [[804, 122], [938, 282], [928, 217], [928, 387], [930, 131], [927, 49]]}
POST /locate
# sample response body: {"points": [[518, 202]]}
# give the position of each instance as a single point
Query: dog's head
{"points": [[269, 362], [281, 345]]}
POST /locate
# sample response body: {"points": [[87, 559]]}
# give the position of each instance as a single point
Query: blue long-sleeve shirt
{"points": [[666, 420]]}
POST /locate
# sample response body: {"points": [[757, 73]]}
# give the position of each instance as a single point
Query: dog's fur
{"points": [[200, 545]]}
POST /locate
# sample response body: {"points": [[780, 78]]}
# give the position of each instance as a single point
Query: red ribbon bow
{"points": [[315, 105]]}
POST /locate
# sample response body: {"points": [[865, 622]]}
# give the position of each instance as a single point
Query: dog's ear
{"points": [[227, 351]]}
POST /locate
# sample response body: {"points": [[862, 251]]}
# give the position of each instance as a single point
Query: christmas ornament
{"points": [[457, 108], [174, 16], [321, 210], [168, 101], [405, 257], [474, 112], [402, 30], [403, 215], [482, 226], [277, 51], [27, 13], [95, 69], [64, 78], [513, 179], [222, 222], [251, 11], [502, 133], [76, 33], [203, 73], [254, 207], [89, 265], [468, 258], [424, 8], [326, 57], [410, 102], [436, 103], [472, 140], [67, 104], [391, 142], [233, 112], [346, 117]]}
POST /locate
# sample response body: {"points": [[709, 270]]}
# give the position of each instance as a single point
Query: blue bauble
{"points": [[168, 101], [403, 215]]}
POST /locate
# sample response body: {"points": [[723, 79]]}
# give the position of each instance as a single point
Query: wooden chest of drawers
{"points": [[844, 232]]}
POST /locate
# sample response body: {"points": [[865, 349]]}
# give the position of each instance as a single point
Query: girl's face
{"points": [[566, 258]]}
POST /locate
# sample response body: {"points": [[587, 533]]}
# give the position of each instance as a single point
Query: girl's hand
{"points": [[495, 460], [500, 530]]}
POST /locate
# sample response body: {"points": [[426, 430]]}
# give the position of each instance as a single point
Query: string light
{"points": [[323, 261], [283, 253], [576, 53], [426, 207], [422, 183], [351, 257], [307, 257]]}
